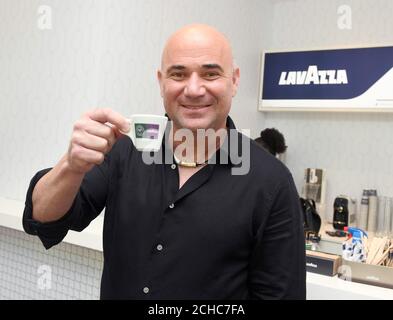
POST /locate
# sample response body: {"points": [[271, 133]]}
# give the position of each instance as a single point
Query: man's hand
{"points": [[93, 136]]}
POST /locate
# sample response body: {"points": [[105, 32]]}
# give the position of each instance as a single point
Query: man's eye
{"points": [[177, 76], [212, 75]]}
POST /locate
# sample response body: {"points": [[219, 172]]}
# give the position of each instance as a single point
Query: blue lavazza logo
{"points": [[334, 74], [313, 76]]}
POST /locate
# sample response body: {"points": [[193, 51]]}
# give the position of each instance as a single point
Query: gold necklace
{"points": [[188, 164]]}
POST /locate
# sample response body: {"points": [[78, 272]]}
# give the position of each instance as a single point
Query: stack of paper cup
{"points": [[372, 210], [363, 214]]}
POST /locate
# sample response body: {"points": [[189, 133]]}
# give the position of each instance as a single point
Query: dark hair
{"points": [[272, 140]]}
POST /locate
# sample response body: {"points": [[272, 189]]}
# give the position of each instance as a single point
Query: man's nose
{"points": [[194, 87]]}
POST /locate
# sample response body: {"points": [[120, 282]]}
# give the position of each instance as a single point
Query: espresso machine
{"points": [[344, 212]]}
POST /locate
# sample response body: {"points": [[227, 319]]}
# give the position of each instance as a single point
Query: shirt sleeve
{"points": [[278, 267], [88, 204]]}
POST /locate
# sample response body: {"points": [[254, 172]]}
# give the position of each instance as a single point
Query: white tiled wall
{"points": [[28, 271]]}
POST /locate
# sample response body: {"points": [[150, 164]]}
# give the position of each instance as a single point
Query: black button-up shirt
{"points": [[220, 236]]}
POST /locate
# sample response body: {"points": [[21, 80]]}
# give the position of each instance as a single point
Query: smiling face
{"points": [[197, 78]]}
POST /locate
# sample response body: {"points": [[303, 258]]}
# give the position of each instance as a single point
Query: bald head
{"points": [[196, 39], [197, 78]]}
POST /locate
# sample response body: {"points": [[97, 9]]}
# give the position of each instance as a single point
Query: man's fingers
{"points": [[106, 131], [93, 142], [117, 133], [111, 116], [93, 136], [79, 153]]}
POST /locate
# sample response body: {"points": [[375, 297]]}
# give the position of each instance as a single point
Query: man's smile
{"points": [[195, 107]]}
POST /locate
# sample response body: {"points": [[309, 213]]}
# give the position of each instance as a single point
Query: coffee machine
{"points": [[344, 212]]}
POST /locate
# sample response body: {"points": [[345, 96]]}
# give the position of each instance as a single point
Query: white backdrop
{"points": [[102, 53]]}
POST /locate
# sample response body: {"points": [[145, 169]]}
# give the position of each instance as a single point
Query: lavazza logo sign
{"points": [[313, 76]]}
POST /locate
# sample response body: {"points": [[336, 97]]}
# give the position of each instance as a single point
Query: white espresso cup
{"points": [[147, 131]]}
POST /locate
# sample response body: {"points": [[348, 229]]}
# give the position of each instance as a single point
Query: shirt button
{"points": [[173, 166], [159, 247], [172, 205], [146, 290]]}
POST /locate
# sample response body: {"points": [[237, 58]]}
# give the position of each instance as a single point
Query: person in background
{"points": [[171, 230], [272, 140]]}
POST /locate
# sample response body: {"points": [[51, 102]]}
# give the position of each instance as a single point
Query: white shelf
{"points": [[321, 287], [11, 212]]}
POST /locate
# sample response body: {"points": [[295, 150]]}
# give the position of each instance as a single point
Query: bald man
{"points": [[175, 230]]}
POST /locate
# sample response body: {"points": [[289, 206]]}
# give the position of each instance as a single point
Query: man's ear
{"points": [[159, 78], [235, 81]]}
